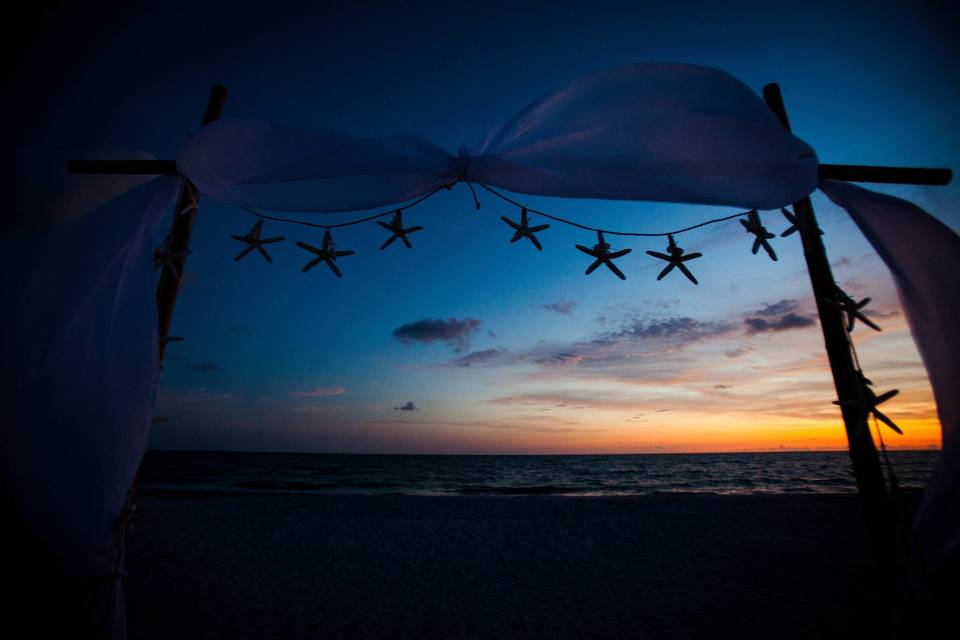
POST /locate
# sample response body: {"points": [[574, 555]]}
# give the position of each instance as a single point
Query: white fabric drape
{"points": [[923, 255], [666, 132], [83, 343]]}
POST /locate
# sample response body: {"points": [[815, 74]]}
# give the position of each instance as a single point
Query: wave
{"points": [[539, 490]]}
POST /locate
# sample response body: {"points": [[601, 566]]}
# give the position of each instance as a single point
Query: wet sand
{"points": [[663, 566]]}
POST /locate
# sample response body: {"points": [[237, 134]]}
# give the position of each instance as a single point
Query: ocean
{"points": [[205, 472]]}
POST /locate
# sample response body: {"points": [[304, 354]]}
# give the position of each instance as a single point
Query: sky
{"points": [[467, 343]]}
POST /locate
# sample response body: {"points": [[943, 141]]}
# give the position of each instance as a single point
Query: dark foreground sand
{"points": [[671, 566]]}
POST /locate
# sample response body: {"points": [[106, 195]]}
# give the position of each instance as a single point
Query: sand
{"points": [[666, 566]]}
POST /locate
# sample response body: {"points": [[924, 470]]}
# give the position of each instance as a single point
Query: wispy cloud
{"points": [[785, 322], [777, 308], [409, 406], [778, 316], [678, 330], [563, 307], [453, 331], [484, 356], [319, 392]]}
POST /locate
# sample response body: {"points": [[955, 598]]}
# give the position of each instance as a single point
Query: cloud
{"points": [[205, 366], [409, 406], [562, 359], [319, 392], [455, 332], [485, 356], [558, 399], [784, 323], [777, 308], [722, 386], [873, 313], [563, 307], [678, 330]]}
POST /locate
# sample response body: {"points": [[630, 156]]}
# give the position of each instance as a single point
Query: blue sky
{"points": [[558, 362]]}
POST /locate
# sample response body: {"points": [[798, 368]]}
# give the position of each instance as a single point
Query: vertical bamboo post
{"points": [[863, 452], [184, 216]]}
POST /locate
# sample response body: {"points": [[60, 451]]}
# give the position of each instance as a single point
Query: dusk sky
{"points": [[467, 343]]}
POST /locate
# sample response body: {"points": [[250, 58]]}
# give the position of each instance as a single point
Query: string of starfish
{"points": [[601, 251]]}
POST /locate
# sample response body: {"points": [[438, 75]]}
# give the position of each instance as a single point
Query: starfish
{"points": [[326, 254], [675, 258], [395, 227], [524, 230], [752, 225], [852, 308], [254, 241], [191, 199], [601, 251], [868, 401], [164, 257], [794, 224]]}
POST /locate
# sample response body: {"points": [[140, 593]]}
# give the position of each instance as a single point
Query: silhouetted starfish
{"points": [[325, 254], [868, 401], [601, 251], [395, 226], [852, 308], [752, 225], [676, 259], [524, 230], [794, 224], [163, 257], [192, 199], [254, 241]]}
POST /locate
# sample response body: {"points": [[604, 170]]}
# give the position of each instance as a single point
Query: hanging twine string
{"points": [[264, 216], [476, 201], [609, 232]]}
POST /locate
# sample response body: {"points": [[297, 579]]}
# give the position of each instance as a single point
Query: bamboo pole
{"points": [[184, 216], [863, 452]]}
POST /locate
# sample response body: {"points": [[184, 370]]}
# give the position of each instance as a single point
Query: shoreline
{"points": [[385, 566]]}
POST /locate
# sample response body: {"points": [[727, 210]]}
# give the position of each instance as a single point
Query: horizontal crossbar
{"points": [[846, 172], [890, 175]]}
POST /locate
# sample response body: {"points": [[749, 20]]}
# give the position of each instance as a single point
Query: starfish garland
{"points": [[164, 257], [254, 241], [601, 251], [325, 254], [794, 224], [852, 308], [524, 230], [752, 225], [675, 258], [868, 401], [395, 226]]}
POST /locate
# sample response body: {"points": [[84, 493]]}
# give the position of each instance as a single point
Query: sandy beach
{"points": [[350, 566]]}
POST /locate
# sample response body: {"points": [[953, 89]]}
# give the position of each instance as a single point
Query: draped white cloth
{"points": [[81, 335], [83, 338], [666, 132], [923, 255]]}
